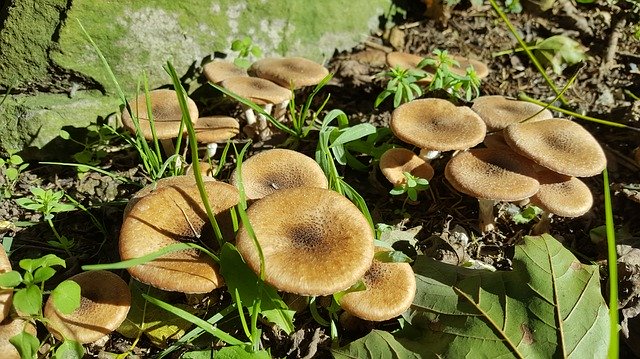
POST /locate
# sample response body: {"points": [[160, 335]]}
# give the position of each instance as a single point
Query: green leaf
{"points": [[48, 260], [11, 173], [392, 257], [26, 344], [69, 349], [42, 274], [377, 344], [241, 352], [198, 354], [550, 305], [15, 160], [396, 191], [353, 133], [28, 300], [10, 279], [526, 215], [64, 134], [66, 297]]}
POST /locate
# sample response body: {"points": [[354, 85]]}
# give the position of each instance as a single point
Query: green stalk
{"points": [[613, 269]]}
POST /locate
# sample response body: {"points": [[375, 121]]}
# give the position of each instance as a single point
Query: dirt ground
{"points": [[604, 88]]}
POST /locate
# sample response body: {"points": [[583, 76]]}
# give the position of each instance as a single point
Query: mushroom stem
{"points": [[543, 225], [427, 155], [211, 149], [249, 114], [487, 220], [281, 110], [167, 146]]}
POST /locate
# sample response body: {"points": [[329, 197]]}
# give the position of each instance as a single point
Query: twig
{"points": [[377, 46], [612, 48]]}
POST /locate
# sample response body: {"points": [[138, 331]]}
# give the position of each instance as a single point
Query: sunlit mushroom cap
{"points": [[560, 145], [104, 304], [6, 295], [289, 72], [174, 214], [258, 90], [218, 71], [562, 195], [494, 174], [395, 161], [437, 124], [315, 241], [213, 129], [391, 288], [499, 112], [9, 328], [166, 112], [407, 61], [276, 169]]}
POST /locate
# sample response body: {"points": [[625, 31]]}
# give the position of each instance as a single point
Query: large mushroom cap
{"points": [[6, 295], [212, 129], [166, 112], [170, 215], [560, 145], [258, 90], [104, 304], [218, 71], [437, 124], [396, 161], [494, 174], [499, 112], [315, 241], [9, 328], [391, 288], [290, 72], [276, 169], [562, 195]]}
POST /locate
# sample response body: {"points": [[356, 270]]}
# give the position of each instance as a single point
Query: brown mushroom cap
{"points": [[407, 61], [170, 215], [499, 112], [272, 170], [482, 70], [562, 195], [166, 114], [437, 124], [315, 241], [560, 145], [104, 304], [218, 71], [494, 174], [289, 72], [212, 129], [496, 140], [258, 90], [391, 288], [6, 295], [9, 328], [395, 161]]}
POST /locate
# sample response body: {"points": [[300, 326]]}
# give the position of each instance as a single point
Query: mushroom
{"points": [[289, 72], [174, 214], [407, 61], [214, 129], [167, 116], [314, 240], [395, 162], [218, 71], [276, 169], [495, 140], [104, 303], [560, 145], [491, 175], [390, 289], [10, 327], [437, 125], [499, 112], [6, 295]]}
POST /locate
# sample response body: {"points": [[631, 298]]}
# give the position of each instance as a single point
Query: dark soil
{"points": [[603, 88]]}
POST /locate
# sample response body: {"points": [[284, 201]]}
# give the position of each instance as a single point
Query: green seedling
{"points": [[246, 50], [526, 215], [412, 186], [402, 85], [465, 87], [12, 168], [558, 51], [94, 148]]}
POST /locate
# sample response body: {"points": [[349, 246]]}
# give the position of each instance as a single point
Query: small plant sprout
{"points": [[11, 167], [246, 50], [460, 86], [402, 85], [412, 186]]}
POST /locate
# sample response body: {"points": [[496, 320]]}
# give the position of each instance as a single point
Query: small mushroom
{"points": [[390, 289], [314, 240], [6, 295], [211, 130], [407, 61], [276, 169], [289, 72], [499, 112], [10, 327], [437, 125], [396, 161], [104, 303], [218, 71]]}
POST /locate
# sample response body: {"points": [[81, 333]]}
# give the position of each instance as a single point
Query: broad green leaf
{"points": [[11, 173], [377, 344], [42, 274], [550, 305], [10, 279], [526, 215], [241, 352], [198, 354], [392, 257], [15, 160], [28, 300], [66, 297], [48, 260], [69, 349], [26, 344], [353, 133]]}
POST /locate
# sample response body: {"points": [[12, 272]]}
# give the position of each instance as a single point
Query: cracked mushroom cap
{"points": [[437, 124], [272, 170], [289, 72], [395, 161], [562, 195], [9, 328], [174, 214], [104, 303], [560, 145], [6, 295], [166, 114], [213, 129], [314, 240], [391, 288], [258, 90], [218, 71], [499, 112], [493, 174]]}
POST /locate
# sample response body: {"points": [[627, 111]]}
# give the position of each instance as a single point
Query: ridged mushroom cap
{"points": [[166, 112], [499, 112], [314, 240], [104, 303], [276, 169], [289, 72], [6, 295], [174, 214], [9, 328], [395, 161], [562, 195], [437, 124], [258, 90], [560, 145], [391, 288], [218, 71], [212, 129], [493, 174]]}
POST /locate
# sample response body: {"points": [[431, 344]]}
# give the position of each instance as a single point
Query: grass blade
{"points": [[613, 268]]}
